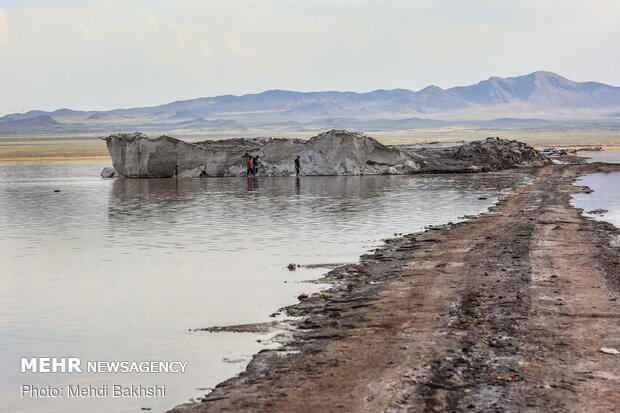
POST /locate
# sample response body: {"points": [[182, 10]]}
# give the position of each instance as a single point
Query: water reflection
{"points": [[602, 156], [272, 196], [605, 196], [121, 269]]}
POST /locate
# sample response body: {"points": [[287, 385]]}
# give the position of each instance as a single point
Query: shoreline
{"points": [[428, 320], [95, 151], [50, 159]]}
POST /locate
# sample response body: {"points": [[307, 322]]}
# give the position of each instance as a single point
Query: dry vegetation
{"points": [[64, 148]]}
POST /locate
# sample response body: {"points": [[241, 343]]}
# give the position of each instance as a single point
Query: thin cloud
{"points": [[105, 54]]}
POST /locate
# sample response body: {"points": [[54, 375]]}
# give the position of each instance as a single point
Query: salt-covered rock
{"points": [[107, 172], [136, 155], [491, 154], [497, 153], [331, 153], [198, 172]]}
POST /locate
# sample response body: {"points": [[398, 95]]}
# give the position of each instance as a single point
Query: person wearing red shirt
{"points": [[249, 164]]}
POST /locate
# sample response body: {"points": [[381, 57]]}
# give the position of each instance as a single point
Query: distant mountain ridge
{"points": [[543, 89], [38, 123], [543, 95]]}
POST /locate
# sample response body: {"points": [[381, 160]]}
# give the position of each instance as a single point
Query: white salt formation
{"points": [[331, 153]]}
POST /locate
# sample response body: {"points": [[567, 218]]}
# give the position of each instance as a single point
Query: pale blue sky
{"points": [[106, 54]]}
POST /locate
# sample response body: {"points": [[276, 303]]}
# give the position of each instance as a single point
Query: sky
{"points": [[100, 55]]}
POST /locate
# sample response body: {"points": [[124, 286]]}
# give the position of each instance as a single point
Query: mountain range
{"points": [[535, 100]]}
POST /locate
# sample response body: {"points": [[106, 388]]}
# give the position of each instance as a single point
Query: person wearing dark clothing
{"points": [[297, 165], [176, 171], [249, 164], [255, 163]]}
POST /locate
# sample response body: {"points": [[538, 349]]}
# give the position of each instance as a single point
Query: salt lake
{"points": [[120, 269]]}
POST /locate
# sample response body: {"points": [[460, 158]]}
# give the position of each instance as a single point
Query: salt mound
{"points": [[330, 153], [336, 152]]}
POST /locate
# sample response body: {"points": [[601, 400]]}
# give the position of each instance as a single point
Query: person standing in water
{"points": [[249, 164], [255, 165], [176, 171], [297, 166]]}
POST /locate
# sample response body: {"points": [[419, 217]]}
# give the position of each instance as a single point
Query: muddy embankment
{"points": [[330, 153], [505, 312]]}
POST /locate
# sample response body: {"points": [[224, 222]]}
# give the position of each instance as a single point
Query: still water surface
{"points": [[601, 156], [606, 190], [122, 269], [605, 196]]}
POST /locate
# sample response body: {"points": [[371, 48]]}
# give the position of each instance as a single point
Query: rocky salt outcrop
{"points": [[107, 172], [334, 153], [135, 155], [491, 154], [331, 153], [495, 153]]}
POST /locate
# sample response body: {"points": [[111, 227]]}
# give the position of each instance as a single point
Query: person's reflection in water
{"points": [[176, 178], [297, 188], [252, 183]]}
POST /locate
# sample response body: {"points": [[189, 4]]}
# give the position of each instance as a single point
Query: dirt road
{"points": [[505, 312]]}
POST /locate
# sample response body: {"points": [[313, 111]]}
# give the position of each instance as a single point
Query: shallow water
{"points": [[606, 187], [605, 196], [122, 269], [601, 156]]}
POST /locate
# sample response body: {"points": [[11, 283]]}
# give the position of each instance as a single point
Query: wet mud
{"points": [[505, 312]]}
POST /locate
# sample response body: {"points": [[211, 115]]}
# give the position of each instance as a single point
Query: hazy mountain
{"points": [[372, 125], [540, 89], [60, 113], [514, 101], [107, 116], [537, 91], [203, 124], [24, 125]]}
